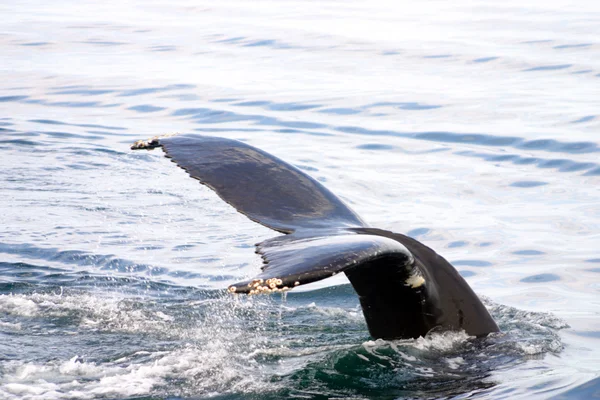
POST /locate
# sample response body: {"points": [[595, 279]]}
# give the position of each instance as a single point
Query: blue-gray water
{"points": [[473, 127]]}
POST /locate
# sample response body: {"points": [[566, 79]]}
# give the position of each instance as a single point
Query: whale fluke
{"points": [[405, 288]]}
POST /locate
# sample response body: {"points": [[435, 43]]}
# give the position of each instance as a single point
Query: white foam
{"points": [[454, 362], [28, 390], [10, 326], [78, 368], [353, 314], [206, 370], [443, 341], [221, 360], [94, 312], [531, 348], [18, 305], [163, 316]]}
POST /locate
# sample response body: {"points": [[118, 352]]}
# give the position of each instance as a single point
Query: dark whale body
{"points": [[405, 288]]}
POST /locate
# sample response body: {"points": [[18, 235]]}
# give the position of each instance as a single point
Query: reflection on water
{"points": [[473, 129]]}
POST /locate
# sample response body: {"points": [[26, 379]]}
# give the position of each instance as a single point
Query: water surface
{"points": [[473, 128]]}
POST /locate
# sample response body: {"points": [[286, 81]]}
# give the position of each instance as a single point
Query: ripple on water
{"points": [[485, 59], [572, 46], [83, 92], [561, 165], [97, 262], [152, 90], [548, 68], [472, 263], [587, 118], [340, 111], [375, 146], [12, 98], [541, 278], [146, 108], [54, 122], [418, 232], [528, 184], [528, 253]]}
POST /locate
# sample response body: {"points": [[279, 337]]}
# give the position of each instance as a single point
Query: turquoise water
{"points": [[471, 127]]}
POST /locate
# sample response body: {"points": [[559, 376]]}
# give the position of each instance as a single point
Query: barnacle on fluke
{"points": [[272, 285], [151, 143]]}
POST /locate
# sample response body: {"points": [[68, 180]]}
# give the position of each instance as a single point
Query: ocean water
{"points": [[471, 126]]}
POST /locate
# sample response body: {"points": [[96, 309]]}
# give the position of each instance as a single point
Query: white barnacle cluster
{"points": [[145, 144], [152, 142], [414, 281], [260, 286]]}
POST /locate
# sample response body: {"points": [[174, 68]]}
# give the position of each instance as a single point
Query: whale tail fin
{"points": [[404, 287]]}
